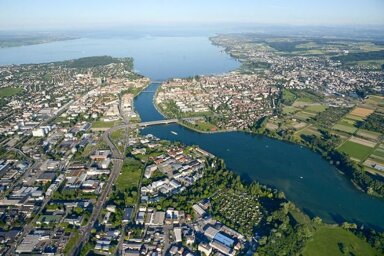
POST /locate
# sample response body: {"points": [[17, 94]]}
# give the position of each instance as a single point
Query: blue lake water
{"points": [[321, 191], [156, 57], [305, 177]]}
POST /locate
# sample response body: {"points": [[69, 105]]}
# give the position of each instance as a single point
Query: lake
{"points": [[308, 180]]}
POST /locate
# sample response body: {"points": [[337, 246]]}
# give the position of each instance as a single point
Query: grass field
{"points": [[290, 110], [288, 96], [117, 135], [302, 102], [130, 174], [309, 131], [118, 138], [355, 118], [356, 150], [345, 128], [102, 124], [9, 91], [315, 108], [347, 122], [379, 152], [376, 64], [336, 241], [129, 179], [376, 100], [302, 115]]}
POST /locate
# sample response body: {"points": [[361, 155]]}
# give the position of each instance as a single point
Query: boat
{"points": [[175, 133]]}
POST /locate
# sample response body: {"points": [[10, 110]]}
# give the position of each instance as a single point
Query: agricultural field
{"points": [[368, 134], [355, 150], [374, 166], [363, 141], [303, 115], [338, 242], [348, 122], [362, 112], [370, 64], [330, 116], [379, 153], [310, 130], [375, 100], [353, 117], [345, 128], [303, 102]]}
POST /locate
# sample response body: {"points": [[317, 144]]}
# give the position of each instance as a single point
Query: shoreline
{"points": [[353, 183]]}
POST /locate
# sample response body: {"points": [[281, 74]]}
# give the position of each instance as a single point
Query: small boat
{"points": [[301, 177], [175, 133]]}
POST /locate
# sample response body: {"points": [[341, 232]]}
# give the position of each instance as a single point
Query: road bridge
{"points": [[158, 122]]}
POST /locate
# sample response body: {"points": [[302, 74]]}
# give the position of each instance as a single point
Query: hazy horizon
{"points": [[87, 14]]}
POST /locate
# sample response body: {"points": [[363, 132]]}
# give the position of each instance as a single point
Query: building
{"points": [[127, 215], [198, 210], [205, 248], [211, 232], [178, 235]]}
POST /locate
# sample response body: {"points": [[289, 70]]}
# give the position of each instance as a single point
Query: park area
{"points": [[338, 242], [9, 91]]}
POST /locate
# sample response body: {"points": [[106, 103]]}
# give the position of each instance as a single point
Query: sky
{"points": [[44, 14]]}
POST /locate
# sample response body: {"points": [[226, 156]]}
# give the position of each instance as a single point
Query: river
{"points": [[308, 180]]}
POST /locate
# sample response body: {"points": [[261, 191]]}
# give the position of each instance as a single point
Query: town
{"points": [[78, 178], [71, 183], [237, 100], [230, 101]]}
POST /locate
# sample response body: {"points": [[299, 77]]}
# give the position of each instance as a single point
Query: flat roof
{"points": [[224, 239]]}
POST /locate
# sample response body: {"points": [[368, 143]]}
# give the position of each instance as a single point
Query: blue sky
{"points": [[25, 14]]}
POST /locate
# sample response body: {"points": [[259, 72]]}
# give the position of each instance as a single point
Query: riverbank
{"points": [[329, 152]]}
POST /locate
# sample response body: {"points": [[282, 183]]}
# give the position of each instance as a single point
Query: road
{"points": [[27, 228], [118, 160], [85, 231]]}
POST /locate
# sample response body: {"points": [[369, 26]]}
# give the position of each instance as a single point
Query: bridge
{"points": [[158, 122], [151, 123]]}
